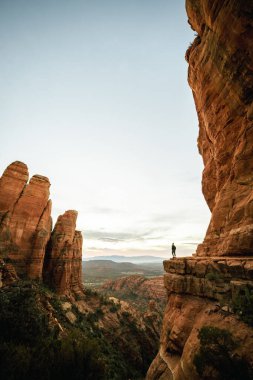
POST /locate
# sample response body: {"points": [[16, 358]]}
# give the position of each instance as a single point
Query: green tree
{"points": [[216, 358]]}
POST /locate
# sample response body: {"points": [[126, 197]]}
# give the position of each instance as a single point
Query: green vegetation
{"points": [[243, 305], [214, 276], [125, 314], [30, 349], [114, 307], [216, 358], [33, 345]]}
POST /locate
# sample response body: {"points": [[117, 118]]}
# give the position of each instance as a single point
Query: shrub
{"points": [[114, 308], [216, 360], [72, 357], [214, 276], [21, 320], [125, 314], [243, 306], [29, 349]]}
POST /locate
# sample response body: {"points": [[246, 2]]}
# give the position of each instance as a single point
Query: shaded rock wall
{"points": [[221, 77], [25, 231], [203, 290]]}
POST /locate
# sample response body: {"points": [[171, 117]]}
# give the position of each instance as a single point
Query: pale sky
{"points": [[94, 95]]}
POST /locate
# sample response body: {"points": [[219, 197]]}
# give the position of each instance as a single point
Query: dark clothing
{"points": [[173, 249]]}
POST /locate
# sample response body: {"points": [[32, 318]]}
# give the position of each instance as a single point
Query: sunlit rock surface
{"points": [[25, 232], [203, 289], [64, 255], [221, 77]]}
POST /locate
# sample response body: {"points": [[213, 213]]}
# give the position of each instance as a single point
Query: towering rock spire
{"points": [[25, 232], [62, 267]]}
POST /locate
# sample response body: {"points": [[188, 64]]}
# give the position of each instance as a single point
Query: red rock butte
{"points": [[28, 246]]}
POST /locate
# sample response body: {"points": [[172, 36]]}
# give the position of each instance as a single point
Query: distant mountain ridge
{"points": [[129, 259]]}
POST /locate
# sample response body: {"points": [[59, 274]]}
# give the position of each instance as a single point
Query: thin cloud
{"points": [[103, 210], [116, 237], [111, 240], [192, 243]]}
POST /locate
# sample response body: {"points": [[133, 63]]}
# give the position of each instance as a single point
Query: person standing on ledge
{"points": [[173, 249]]}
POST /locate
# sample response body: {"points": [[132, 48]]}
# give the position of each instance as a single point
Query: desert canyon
{"points": [[202, 290]]}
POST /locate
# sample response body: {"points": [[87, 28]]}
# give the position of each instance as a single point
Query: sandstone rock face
{"points": [[24, 223], [64, 255], [204, 290], [221, 77], [12, 183], [25, 231], [201, 293]]}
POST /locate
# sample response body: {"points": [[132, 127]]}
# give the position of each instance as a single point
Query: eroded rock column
{"points": [[63, 263], [25, 234]]}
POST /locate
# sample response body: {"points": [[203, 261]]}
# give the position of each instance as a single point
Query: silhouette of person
{"points": [[173, 250]]}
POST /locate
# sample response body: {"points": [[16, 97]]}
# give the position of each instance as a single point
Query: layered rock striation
{"points": [[215, 286], [221, 77], [28, 247], [201, 292], [64, 255]]}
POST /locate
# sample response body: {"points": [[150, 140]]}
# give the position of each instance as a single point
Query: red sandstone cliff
{"points": [[221, 77], [26, 232], [205, 290]]}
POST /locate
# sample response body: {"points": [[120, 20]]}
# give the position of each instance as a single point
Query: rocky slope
{"points": [[139, 290], [147, 295], [45, 314], [86, 337], [214, 288], [28, 247]]}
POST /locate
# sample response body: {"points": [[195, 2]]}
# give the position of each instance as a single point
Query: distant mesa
{"points": [[28, 246]]}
